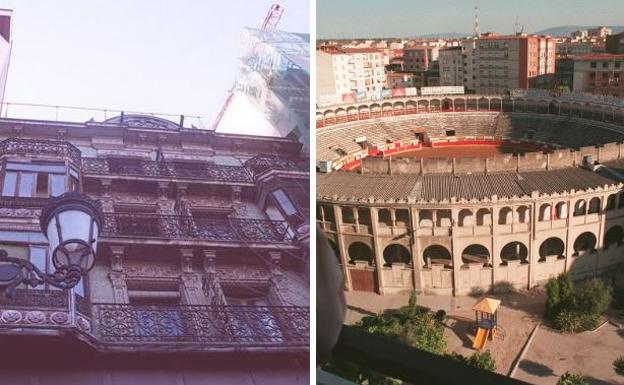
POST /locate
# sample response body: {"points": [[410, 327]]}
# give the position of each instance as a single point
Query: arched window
{"points": [[437, 255], [579, 208], [594, 205], [514, 251], [585, 243], [551, 246], [476, 254], [505, 216], [359, 251], [613, 236], [396, 253], [545, 212]]}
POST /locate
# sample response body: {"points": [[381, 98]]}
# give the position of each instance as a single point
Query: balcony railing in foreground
{"points": [[21, 146], [414, 366], [195, 228], [208, 326], [261, 163], [145, 168]]}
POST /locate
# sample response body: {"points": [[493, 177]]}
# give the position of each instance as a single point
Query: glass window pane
{"points": [[26, 185], [10, 178], [59, 168], [284, 202], [38, 258], [58, 184], [80, 289]]}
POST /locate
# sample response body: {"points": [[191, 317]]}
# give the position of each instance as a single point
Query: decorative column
{"points": [[342, 247], [190, 283], [117, 276], [278, 286], [212, 290], [377, 249], [105, 195], [455, 252]]}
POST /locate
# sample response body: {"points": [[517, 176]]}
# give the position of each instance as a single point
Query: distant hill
{"points": [[442, 35], [566, 30]]}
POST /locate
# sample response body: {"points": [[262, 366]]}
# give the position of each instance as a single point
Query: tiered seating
{"points": [[561, 130]]}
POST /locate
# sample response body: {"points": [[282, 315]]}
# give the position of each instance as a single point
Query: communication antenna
{"points": [[476, 21]]}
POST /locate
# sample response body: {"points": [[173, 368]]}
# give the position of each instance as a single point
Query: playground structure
{"points": [[486, 318]]}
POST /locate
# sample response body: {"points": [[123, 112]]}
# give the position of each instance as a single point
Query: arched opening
{"points": [[551, 246], [437, 255], [514, 251], [613, 236], [620, 201], [359, 251], [579, 208], [561, 210], [396, 253], [594, 206], [476, 254], [484, 218], [347, 215], [425, 218], [611, 202], [443, 218], [401, 218], [385, 217], [466, 218], [544, 212], [585, 243], [505, 216], [522, 214]]}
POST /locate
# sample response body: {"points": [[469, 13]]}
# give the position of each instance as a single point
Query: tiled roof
{"points": [[352, 186]]}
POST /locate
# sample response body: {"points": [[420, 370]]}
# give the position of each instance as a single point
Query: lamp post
{"points": [[71, 223]]}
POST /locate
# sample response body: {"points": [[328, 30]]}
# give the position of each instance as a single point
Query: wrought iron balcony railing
{"points": [[21, 146], [261, 163], [208, 326], [197, 227], [145, 168]]}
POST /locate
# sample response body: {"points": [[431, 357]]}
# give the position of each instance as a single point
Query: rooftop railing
{"points": [[194, 228], [60, 113]]}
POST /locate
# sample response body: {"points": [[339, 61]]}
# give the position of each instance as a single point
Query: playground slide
{"points": [[480, 339]]}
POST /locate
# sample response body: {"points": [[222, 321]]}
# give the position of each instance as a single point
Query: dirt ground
{"points": [[518, 315], [589, 353]]}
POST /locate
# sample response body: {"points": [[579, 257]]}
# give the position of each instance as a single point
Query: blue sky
{"points": [[366, 18], [146, 55]]}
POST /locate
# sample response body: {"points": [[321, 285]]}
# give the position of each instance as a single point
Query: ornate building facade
{"points": [[202, 265]]}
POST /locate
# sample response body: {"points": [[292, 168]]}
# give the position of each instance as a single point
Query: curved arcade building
{"points": [[454, 195]]}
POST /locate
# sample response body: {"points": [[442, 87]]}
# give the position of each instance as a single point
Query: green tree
{"points": [[593, 297], [568, 378], [618, 365], [552, 297]]}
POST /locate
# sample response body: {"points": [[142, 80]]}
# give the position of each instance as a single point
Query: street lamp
{"points": [[71, 223]]}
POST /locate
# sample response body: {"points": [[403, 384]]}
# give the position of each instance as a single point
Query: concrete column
{"points": [[569, 241], [416, 260], [344, 253], [377, 250], [455, 252]]}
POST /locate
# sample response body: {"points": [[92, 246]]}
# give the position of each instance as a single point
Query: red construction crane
{"points": [[272, 18]]}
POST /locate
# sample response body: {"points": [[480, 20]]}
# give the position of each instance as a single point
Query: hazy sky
{"points": [[146, 55], [368, 18]]}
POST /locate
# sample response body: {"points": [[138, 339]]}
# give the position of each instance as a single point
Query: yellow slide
{"points": [[480, 339]]}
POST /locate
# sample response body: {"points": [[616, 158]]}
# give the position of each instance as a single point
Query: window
{"points": [[284, 201], [155, 310], [36, 179], [592, 64], [251, 314]]}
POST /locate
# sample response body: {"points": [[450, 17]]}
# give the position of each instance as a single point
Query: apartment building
{"points": [[343, 70], [600, 74], [451, 63]]}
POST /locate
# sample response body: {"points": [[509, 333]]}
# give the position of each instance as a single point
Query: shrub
{"points": [[594, 297], [440, 316], [566, 288], [568, 378], [553, 298], [568, 321], [483, 360], [618, 365]]}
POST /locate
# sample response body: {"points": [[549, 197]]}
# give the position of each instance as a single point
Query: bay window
{"points": [[40, 180]]}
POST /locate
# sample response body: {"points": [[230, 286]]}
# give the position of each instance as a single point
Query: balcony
{"points": [[262, 163], [19, 146], [133, 225], [153, 169], [204, 327]]}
